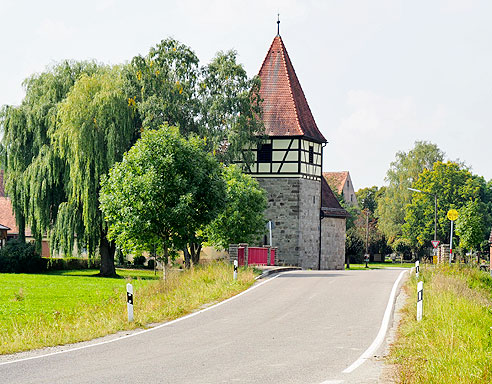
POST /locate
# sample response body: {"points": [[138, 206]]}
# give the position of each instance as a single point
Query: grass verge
{"points": [[69, 306], [362, 266], [453, 342]]}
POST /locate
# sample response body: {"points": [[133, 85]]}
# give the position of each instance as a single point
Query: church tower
{"points": [[288, 165]]}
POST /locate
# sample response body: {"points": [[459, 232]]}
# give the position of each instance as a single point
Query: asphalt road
{"points": [[300, 327]]}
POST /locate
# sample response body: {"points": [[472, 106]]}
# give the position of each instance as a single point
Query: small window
{"points": [[348, 183], [311, 154], [265, 153]]}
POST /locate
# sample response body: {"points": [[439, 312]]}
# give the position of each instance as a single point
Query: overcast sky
{"points": [[378, 74]]}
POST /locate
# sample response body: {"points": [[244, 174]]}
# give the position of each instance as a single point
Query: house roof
{"points": [[329, 203], [7, 217], [336, 180], [285, 108]]}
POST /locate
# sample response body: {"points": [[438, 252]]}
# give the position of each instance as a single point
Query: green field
{"points": [[38, 310], [453, 342]]}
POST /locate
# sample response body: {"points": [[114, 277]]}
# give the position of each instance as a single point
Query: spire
{"points": [[278, 24], [285, 108]]}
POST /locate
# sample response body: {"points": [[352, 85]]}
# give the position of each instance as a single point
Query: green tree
{"points": [[32, 171], [95, 128], [230, 109], [471, 225], [403, 172], [217, 102], [164, 190], [454, 186], [243, 219]]}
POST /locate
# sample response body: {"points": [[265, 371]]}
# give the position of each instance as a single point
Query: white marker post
{"points": [[420, 298], [235, 269], [129, 301], [417, 269]]}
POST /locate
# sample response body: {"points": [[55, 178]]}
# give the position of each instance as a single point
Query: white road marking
{"points": [[369, 352], [146, 330], [332, 382]]}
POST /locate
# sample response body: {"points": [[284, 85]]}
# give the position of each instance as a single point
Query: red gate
{"points": [[240, 256]]}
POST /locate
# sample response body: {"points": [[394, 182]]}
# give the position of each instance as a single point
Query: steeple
{"points": [[285, 108]]}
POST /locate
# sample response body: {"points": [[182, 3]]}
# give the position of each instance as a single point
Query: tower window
{"points": [[265, 153], [311, 154]]}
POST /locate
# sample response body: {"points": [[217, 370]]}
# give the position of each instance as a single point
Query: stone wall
{"points": [[294, 206], [309, 211], [283, 210], [332, 243]]}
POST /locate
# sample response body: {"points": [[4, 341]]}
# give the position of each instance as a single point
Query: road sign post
{"points": [[452, 216], [129, 301], [420, 299]]}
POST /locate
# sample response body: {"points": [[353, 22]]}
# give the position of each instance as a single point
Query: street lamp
{"points": [[435, 208]]}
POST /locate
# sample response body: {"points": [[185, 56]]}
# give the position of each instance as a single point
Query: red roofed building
{"points": [[288, 165], [341, 183]]}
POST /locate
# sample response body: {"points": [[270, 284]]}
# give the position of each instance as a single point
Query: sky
{"points": [[378, 74]]}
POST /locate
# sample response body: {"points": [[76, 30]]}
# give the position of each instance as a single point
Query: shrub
{"points": [[56, 264], [139, 260], [20, 257]]}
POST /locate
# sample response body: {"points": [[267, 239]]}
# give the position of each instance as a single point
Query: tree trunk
{"points": [[187, 257], [195, 248], [21, 224], [106, 250]]}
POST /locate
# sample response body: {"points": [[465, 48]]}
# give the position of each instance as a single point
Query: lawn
{"points": [[38, 310], [380, 266]]}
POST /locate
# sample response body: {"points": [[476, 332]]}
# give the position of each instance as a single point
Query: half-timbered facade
{"points": [[288, 165]]}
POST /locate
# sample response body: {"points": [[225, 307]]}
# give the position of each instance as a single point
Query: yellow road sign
{"points": [[452, 214]]}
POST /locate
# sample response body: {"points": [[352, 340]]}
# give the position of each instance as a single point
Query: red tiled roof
{"points": [[336, 180], [7, 217], [285, 108], [329, 203]]}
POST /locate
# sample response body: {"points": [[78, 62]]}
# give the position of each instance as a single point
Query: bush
{"points": [[150, 264], [139, 260], [20, 257], [55, 264]]}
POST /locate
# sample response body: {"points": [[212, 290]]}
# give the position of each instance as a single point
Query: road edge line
{"points": [[190, 315], [382, 331]]}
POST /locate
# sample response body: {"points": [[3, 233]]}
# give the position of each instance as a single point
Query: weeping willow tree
{"points": [[73, 124], [33, 173], [95, 127]]}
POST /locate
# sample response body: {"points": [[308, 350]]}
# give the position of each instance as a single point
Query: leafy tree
{"points": [[217, 102], [454, 186], [471, 225], [403, 172], [230, 108], [95, 129], [163, 191], [33, 173], [243, 219]]}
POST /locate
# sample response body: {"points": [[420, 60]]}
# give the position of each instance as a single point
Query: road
{"points": [[299, 327]]}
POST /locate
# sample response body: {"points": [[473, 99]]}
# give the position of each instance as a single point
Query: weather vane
{"points": [[278, 24]]}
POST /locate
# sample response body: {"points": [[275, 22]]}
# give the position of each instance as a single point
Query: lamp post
{"points": [[435, 209]]}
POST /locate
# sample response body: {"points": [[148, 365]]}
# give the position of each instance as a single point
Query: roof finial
{"points": [[278, 24]]}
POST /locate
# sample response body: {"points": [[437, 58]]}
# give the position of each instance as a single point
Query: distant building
{"points": [[309, 222], [7, 219], [341, 183]]}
